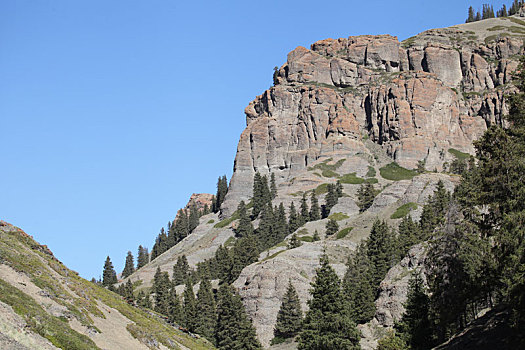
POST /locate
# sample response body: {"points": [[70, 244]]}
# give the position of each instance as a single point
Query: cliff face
{"points": [[416, 99]]}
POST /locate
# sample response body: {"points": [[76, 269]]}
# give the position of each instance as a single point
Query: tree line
{"points": [[488, 11]]}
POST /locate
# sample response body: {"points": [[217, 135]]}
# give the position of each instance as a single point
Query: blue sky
{"points": [[112, 113]]}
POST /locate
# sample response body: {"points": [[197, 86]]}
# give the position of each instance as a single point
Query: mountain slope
{"points": [[44, 305]]}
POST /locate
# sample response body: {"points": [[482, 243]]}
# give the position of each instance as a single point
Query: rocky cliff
{"points": [[345, 109]]}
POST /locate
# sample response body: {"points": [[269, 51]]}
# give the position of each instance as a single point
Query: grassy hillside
{"points": [[66, 309]]}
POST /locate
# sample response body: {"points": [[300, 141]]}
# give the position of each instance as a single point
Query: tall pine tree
{"points": [[109, 276], [289, 317], [206, 310], [129, 266]]}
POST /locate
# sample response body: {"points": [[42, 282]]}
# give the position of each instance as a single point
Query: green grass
{"points": [[328, 168], [343, 233], [351, 179], [395, 172], [272, 256], [54, 329], [515, 20], [371, 172], [495, 28], [306, 239], [338, 216], [322, 188], [210, 221], [403, 210], [330, 173], [458, 154], [228, 221]]}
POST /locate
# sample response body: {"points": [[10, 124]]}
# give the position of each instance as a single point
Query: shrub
{"points": [[395, 172], [403, 210], [344, 232]]}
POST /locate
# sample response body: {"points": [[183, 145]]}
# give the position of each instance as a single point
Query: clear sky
{"points": [[112, 113]]}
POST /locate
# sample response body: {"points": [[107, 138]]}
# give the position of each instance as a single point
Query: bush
{"points": [[344, 232], [351, 179], [338, 216]]}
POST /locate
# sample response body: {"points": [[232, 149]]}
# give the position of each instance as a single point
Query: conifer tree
{"points": [[365, 196], [143, 299], [224, 263], [330, 200], [434, 211], [189, 307], [206, 310], [245, 226], [142, 257], [222, 190], [273, 187], [293, 219], [471, 15], [358, 292], [294, 242], [289, 317], [381, 250], [326, 325], [129, 266], [161, 288], [265, 233], [414, 326], [181, 270], [281, 225], [109, 276], [338, 189], [408, 235], [315, 211], [316, 236], [260, 199], [128, 292], [304, 215], [331, 227], [234, 330], [193, 219], [175, 313], [245, 252]]}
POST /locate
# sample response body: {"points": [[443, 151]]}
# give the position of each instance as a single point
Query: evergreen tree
{"points": [[142, 257], [315, 211], [503, 11], [161, 288], [414, 326], [234, 330], [265, 234], [143, 300], [128, 292], [193, 219], [273, 187], [433, 213], [222, 190], [408, 235], [175, 313], [224, 263], [245, 226], [293, 219], [294, 242], [206, 311], [391, 342], [357, 289], [281, 225], [326, 325], [261, 194], [129, 266], [471, 15], [189, 307], [331, 227], [330, 200], [245, 252], [478, 17], [365, 196], [161, 244], [109, 276], [289, 317], [381, 250], [304, 216], [181, 270], [338, 189], [316, 236]]}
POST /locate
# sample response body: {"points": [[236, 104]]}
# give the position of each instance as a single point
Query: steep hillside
{"points": [[355, 110], [44, 305]]}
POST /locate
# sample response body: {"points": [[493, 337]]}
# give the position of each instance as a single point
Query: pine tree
{"points": [[315, 211], [193, 219], [128, 292], [478, 17], [129, 266], [503, 11], [330, 200], [206, 310], [338, 189], [293, 219], [331, 227], [181, 270], [433, 213], [358, 291], [326, 325], [258, 195], [143, 300], [175, 313], [294, 242], [109, 276], [414, 326], [289, 317], [273, 187], [222, 190], [223, 263], [161, 288], [471, 15], [245, 252], [281, 224], [409, 235], [316, 236], [245, 226], [381, 250], [142, 257], [365, 196], [265, 234], [304, 216], [234, 330], [189, 307]]}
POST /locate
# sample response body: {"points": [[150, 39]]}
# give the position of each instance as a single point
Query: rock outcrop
{"points": [[416, 99]]}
